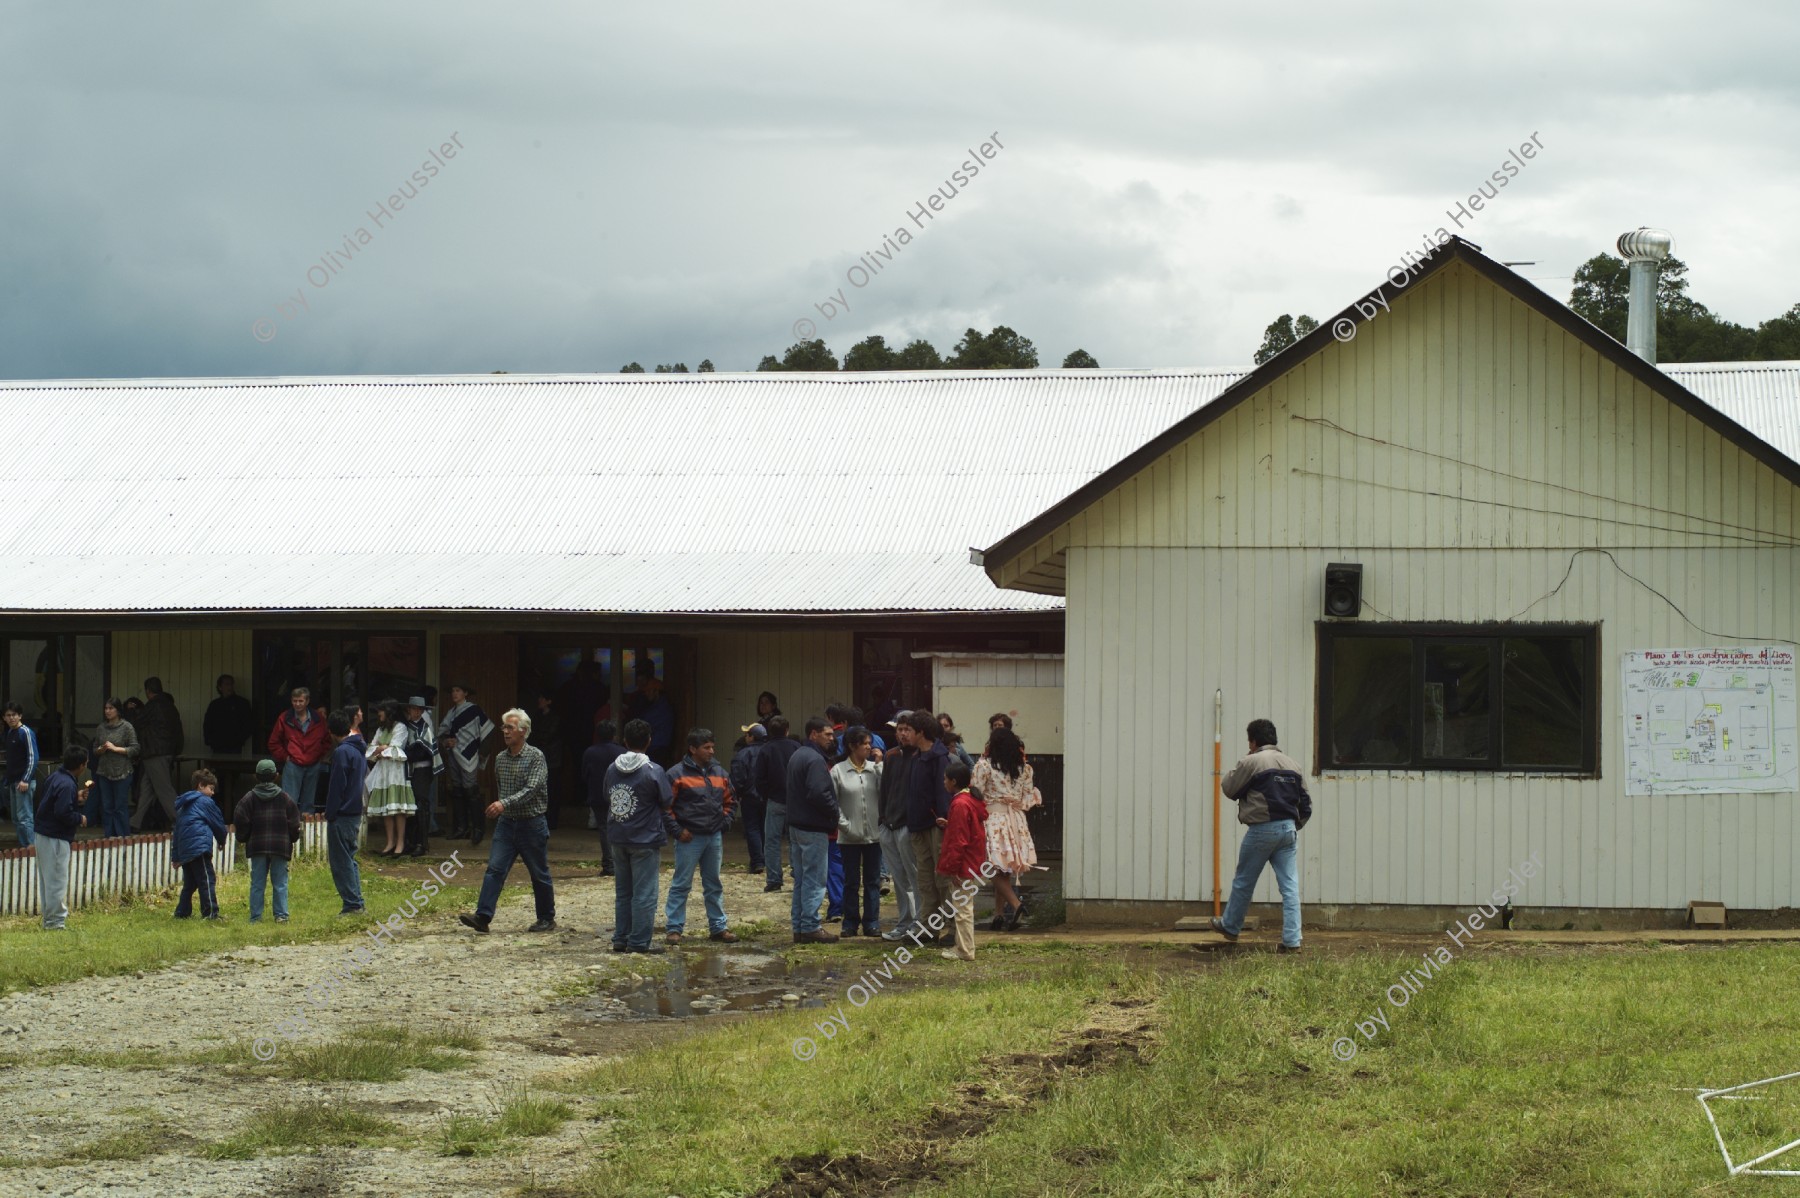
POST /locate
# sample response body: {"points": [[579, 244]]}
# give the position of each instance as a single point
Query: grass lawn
{"points": [[139, 932], [1558, 1073]]}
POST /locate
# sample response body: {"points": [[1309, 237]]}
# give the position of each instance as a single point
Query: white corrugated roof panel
{"points": [[589, 493], [1764, 397]]}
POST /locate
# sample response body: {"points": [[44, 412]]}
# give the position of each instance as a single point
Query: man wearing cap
{"points": [[464, 729], [743, 785], [423, 765], [268, 826]]}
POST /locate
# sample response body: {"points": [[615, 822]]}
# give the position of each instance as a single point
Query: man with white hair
{"points": [[522, 780]]}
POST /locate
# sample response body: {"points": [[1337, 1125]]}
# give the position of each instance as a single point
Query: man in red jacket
{"points": [[300, 743]]}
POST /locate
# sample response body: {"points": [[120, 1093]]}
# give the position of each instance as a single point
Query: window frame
{"points": [[1328, 632]]}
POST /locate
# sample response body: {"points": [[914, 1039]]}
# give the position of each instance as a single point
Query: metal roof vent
{"points": [[1645, 249]]}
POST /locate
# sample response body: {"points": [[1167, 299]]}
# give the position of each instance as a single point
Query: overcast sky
{"points": [[673, 182]]}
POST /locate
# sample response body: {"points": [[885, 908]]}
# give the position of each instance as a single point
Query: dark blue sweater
{"points": [[344, 784], [57, 814]]}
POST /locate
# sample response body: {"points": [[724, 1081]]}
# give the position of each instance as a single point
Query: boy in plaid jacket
{"points": [[268, 824]]}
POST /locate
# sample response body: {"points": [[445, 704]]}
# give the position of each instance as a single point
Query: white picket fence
{"points": [[101, 869]]}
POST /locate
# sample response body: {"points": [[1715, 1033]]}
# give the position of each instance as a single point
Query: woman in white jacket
{"points": [[857, 781]]}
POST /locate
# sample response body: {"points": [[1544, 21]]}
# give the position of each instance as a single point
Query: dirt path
{"points": [[512, 989]]}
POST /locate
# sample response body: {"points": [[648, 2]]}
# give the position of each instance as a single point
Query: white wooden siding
{"points": [[1489, 446], [188, 662], [1190, 621]]}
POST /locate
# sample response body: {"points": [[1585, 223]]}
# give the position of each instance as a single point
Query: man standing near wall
{"points": [[465, 728], [21, 773], [159, 732], [424, 764], [522, 780], [1272, 800], [344, 804], [228, 722], [299, 743], [812, 816]]}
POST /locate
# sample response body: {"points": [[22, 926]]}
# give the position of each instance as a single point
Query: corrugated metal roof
{"points": [[589, 493], [609, 493], [1764, 397]]}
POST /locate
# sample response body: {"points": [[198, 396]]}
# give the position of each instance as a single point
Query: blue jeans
{"points": [[275, 869], [755, 813], [834, 882], [708, 852], [302, 784], [340, 848], [634, 894], [810, 857], [774, 828], [862, 872], [515, 839], [24, 808], [1267, 844], [114, 805]]}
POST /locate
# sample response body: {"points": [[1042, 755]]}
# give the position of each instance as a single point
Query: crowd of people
{"points": [[846, 813]]}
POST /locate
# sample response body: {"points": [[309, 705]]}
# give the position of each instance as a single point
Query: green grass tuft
{"points": [[303, 1128]]}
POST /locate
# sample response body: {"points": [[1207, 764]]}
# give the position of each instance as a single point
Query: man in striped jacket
{"points": [[462, 733], [697, 817]]}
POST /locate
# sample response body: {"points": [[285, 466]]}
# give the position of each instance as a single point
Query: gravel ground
{"points": [[503, 987]]}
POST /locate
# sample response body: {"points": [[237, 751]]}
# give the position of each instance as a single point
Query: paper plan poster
{"points": [[1710, 721]]}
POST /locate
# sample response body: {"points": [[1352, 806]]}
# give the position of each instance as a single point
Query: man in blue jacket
{"points": [[700, 812], [769, 772], [344, 804], [21, 771], [812, 817], [58, 815], [928, 812], [638, 798]]}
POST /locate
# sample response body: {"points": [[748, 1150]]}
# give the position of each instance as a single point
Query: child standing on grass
{"points": [[268, 823], [198, 823], [963, 855]]}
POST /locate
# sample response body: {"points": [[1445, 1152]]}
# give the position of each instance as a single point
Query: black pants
{"points": [[418, 824], [197, 877], [463, 801]]}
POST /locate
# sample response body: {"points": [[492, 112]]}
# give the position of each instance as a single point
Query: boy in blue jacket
{"points": [[198, 824]]}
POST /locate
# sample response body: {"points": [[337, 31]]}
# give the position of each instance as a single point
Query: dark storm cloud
{"points": [[681, 182]]}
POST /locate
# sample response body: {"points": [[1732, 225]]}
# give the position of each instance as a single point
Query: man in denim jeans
{"points": [[1272, 800], [344, 804], [522, 780], [812, 820], [638, 799]]}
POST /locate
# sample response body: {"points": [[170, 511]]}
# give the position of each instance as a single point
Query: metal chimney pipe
{"points": [[1645, 249]]}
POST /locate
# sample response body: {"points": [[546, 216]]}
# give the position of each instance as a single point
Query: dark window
{"points": [[1459, 697]]}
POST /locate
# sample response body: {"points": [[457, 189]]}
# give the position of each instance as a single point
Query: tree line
{"points": [[1686, 329], [1000, 349]]}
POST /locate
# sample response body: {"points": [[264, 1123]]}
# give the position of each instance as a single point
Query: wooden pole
{"points": [[1218, 732]]}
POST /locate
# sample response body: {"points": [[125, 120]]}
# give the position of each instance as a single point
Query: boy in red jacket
{"points": [[963, 855]]}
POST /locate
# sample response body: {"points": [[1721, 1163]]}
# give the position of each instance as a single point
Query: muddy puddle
{"points": [[711, 983]]}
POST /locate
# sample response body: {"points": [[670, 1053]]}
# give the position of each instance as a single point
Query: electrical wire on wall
{"points": [[1673, 606]]}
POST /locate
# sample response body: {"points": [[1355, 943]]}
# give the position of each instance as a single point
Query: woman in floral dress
{"points": [[390, 793], [1003, 779]]}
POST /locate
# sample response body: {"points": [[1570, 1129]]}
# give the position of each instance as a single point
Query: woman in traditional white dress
{"points": [[390, 793], [1003, 779]]}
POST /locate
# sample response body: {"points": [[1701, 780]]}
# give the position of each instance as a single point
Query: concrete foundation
{"points": [[1158, 916]]}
